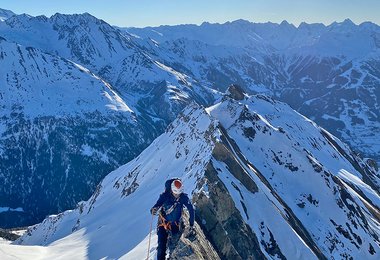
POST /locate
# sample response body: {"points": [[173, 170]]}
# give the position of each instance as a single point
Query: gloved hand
{"points": [[153, 211], [191, 234]]}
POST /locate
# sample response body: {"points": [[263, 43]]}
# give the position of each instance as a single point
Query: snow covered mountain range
{"points": [[328, 73], [266, 183], [64, 127], [61, 129], [111, 91]]}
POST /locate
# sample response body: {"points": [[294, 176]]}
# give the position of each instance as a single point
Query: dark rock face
{"points": [[195, 249], [8, 235], [373, 164], [222, 222], [221, 153], [235, 92]]}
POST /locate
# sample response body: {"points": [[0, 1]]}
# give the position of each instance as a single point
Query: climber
{"points": [[169, 208]]}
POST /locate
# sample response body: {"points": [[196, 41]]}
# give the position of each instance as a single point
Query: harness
{"points": [[167, 225]]}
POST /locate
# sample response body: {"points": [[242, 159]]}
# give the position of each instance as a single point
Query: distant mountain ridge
{"points": [[281, 37], [329, 73]]}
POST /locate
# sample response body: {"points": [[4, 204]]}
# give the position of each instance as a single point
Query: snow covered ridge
{"points": [[122, 201], [5, 14], [111, 55], [328, 73], [283, 36], [266, 181], [47, 85]]}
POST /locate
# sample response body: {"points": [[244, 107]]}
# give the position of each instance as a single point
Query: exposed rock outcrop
{"points": [[223, 223], [198, 248], [8, 235], [235, 92]]}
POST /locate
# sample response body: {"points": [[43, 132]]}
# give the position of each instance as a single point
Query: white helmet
{"points": [[177, 187]]}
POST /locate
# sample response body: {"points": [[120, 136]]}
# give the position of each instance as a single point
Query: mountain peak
{"points": [[370, 26], [235, 92], [241, 22], [305, 25], [72, 18], [42, 18], [348, 22], [19, 20], [285, 23], [5, 14]]}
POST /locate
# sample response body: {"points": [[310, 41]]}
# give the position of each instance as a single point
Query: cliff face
{"points": [[193, 249], [220, 218]]}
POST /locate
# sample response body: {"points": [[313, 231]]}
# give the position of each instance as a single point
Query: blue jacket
{"points": [[166, 202]]}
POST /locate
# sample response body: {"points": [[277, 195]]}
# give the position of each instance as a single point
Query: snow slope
{"points": [[294, 190], [141, 81], [72, 247], [123, 224], [47, 85], [56, 115], [306, 171]]}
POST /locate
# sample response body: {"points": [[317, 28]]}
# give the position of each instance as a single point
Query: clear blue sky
{"points": [[142, 13]]}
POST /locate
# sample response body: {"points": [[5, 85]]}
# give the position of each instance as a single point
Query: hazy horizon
{"points": [[248, 21], [200, 23], [144, 13]]}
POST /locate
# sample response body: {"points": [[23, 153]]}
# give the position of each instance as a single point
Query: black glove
{"points": [[191, 234], [153, 211]]}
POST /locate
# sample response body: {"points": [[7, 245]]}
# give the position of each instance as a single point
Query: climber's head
{"points": [[177, 188]]}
